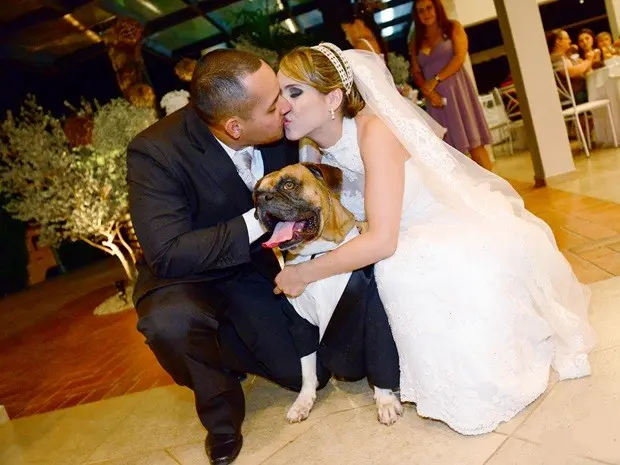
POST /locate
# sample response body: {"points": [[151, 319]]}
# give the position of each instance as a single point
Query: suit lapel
{"points": [[277, 156], [217, 163]]}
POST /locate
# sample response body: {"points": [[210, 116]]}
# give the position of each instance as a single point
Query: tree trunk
{"points": [[111, 248], [129, 268]]}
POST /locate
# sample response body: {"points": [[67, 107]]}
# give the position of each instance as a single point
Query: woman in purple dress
{"points": [[438, 52]]}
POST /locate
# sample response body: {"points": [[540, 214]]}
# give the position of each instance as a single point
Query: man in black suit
{"points": [[204, 294]]}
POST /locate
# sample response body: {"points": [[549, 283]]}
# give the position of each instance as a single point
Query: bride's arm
{"points": [[384, 159]]}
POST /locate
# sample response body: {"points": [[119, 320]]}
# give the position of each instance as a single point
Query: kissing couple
{"points": [[405, 262]]}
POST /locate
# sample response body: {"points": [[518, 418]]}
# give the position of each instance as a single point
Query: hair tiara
{"points": [[334, 54]]}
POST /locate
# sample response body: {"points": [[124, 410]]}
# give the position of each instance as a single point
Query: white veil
{"points": [[451, 176]]}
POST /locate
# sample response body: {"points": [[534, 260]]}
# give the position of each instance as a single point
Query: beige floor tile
{"points": [[510, 427], [258, 444], [597, 252], [355, 437], [268, 403], [596, 176], [609, 263], [587, 229], [585, 271], [581, 417], [567, 239], [18, 436], [604, 314], [67, 437], [165, 417], [158, 457], [190, 454], [518, 452]]}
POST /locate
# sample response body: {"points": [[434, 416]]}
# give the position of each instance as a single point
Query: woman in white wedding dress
{"points": [[480, 300]]}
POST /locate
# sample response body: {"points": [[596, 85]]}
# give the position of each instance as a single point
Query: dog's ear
{"points": [[330, 175]]}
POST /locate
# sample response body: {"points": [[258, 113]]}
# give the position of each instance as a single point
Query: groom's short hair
{"points": [[217, 89]]}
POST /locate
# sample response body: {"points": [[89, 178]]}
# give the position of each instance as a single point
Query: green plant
{"points": [[74, 193], [261, 32]]}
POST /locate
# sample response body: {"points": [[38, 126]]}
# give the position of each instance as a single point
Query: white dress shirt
{"points": [[255, 229]]}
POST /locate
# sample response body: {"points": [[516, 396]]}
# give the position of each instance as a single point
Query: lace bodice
{"points": [[346, 155]]}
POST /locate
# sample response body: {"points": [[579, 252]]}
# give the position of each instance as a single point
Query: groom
{"points": [[204, 294]]}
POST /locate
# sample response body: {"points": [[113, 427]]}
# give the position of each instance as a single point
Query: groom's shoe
{"points": [[223, 449]]}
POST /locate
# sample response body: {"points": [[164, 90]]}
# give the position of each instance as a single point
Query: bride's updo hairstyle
{"points": [[311, 66]]}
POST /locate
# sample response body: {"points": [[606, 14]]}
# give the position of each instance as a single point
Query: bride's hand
{"points": [[290, 282]]}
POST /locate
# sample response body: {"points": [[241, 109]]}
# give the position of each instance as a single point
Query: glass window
{"points": [[185, 33], [389, 14], [310, 19], [392, 30], [143, 10]]}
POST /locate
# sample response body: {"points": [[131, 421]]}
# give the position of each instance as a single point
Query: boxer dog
{"points": [[300, 206]]}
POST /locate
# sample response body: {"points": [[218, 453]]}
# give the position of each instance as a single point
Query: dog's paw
{"points": [[389, 407], [300, 410]]}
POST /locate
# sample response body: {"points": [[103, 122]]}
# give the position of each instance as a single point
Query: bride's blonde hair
{"points": [[311, 67]]}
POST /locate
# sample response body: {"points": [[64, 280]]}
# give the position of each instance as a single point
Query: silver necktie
{"points": [[243, 162]]}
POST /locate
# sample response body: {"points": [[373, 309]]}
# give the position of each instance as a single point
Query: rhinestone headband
{"points": [[343, 67]]}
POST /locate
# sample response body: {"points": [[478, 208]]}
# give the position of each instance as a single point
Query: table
{"points": [[604, 83]]}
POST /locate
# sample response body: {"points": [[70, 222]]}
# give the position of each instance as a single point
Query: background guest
{"points": [[559, 45], [604, 42], [438, 52], [586, 41]]}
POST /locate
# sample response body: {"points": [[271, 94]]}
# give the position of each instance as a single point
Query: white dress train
{"points": [[480, 308]]}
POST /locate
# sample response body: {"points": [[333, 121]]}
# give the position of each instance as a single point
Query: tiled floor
{"points": [[58, 355], [596, 176], [62, 354], [575, 422]]}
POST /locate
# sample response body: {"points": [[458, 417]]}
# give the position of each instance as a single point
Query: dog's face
{"points": [[299, 204]]}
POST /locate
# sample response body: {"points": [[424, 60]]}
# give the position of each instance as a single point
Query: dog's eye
{"points": [[288, 185]]}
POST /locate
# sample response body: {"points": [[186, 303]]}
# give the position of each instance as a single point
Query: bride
{"points": [[480, 300]]}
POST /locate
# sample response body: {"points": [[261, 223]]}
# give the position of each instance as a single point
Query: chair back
{"points": [[493, 108], [562, 82], [511, 102]]}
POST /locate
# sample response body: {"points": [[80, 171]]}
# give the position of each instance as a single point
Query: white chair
{"points": [[511, 102], [572, 110], [497, 118]]}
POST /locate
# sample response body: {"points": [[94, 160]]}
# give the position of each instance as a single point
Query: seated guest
{"points": [[559, 45], [586, 39], [604, 42]]}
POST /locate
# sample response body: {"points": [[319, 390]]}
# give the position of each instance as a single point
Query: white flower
{"points": [[174, 100], [399, 67]]}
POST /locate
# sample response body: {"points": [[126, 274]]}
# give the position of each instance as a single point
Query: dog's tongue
{"points": [[283, 232]]}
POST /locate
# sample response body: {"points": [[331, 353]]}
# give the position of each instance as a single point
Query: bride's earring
{"points": [[332, 113]]}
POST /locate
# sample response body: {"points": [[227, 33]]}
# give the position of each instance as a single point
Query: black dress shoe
{"points": [[223, 449]]}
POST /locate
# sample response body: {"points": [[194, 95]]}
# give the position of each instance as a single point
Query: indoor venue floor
{"points": [[84, 389]]}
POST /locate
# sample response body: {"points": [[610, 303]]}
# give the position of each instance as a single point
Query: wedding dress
{"points": [[480, 300]]}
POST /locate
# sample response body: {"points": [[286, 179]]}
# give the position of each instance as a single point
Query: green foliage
{"points": [[72, 193], [261, 34]]}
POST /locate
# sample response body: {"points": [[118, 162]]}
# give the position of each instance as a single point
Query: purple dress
{"points": [[462, 116]]}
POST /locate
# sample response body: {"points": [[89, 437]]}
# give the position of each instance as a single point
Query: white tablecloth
{"points": [[604, 83]]}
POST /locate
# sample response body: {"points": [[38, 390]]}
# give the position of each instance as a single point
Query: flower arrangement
{"points": [[174, 100], [400, 67]]}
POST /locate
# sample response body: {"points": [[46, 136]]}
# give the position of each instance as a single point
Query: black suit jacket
{"points": [[186, 201]]}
